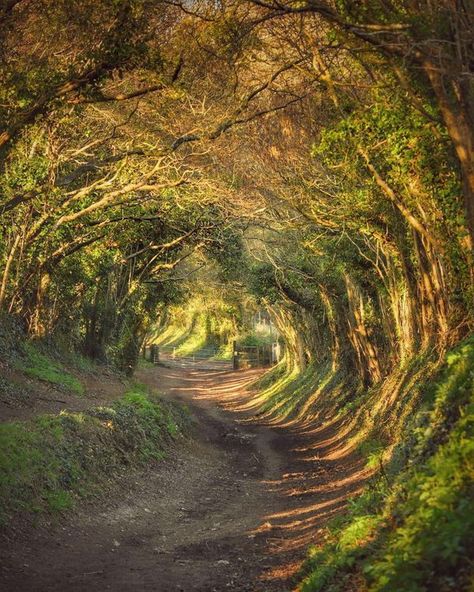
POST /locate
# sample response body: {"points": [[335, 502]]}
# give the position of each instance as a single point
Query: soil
{"points": [[23, 398], [234, 507]]}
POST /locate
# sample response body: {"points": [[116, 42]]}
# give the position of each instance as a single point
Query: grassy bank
{"points": [[36, 364], [412, 530], [45, 361], [47, 463]]}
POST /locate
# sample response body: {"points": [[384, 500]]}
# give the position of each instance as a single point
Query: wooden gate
{"points": [[255, 356], [203, 359]]}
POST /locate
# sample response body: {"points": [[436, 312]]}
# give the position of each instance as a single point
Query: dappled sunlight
{"points": [[282, 573], [292, 531], [338, 449], [319, 445], [301, 516], [336, 423], [352, 481], [265, 211], [324, 440], [323, 383]]}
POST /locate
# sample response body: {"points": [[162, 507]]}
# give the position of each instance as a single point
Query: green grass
{"points": [[48, 462], [58, 501], [285, 391], [414, 533], [82, 363], [37, 365], [142, 363], [225, 352], [373, 451]]}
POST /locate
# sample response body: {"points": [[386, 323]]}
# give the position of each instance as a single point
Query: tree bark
{"points": [[459, 126]]}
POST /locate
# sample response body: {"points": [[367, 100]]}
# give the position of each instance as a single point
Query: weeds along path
{"points": [[234, 509]]}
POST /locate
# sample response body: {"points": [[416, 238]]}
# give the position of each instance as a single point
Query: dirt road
{"points": [[233, 509]]}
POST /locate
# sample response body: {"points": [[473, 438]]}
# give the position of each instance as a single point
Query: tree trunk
{"points": [[6, 271], [456, 116]]}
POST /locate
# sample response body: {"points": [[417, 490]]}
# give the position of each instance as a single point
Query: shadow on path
{"points": [[234, 508]]}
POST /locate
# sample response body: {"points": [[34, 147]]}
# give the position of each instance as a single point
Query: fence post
{"points": [[155, 354], [235, 358], [276, 352]]}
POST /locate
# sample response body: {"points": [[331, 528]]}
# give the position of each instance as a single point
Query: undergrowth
{"points": [[413, 530], [47, 462], [38, 365]]}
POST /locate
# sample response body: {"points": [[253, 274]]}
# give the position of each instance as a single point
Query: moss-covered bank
{"points": [[412, 530], [47, 463]]}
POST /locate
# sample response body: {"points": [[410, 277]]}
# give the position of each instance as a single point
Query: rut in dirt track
{"points": [[234, 509]]}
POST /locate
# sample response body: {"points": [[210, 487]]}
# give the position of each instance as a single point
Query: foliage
{"points": [[313, 159], [207, 321], [373, 450]]}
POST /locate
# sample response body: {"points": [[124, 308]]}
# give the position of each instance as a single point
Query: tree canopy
{"points": [[319, 152], [199, 160]]}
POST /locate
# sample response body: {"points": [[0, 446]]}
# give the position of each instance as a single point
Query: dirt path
{"points": [[234, 509]]}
